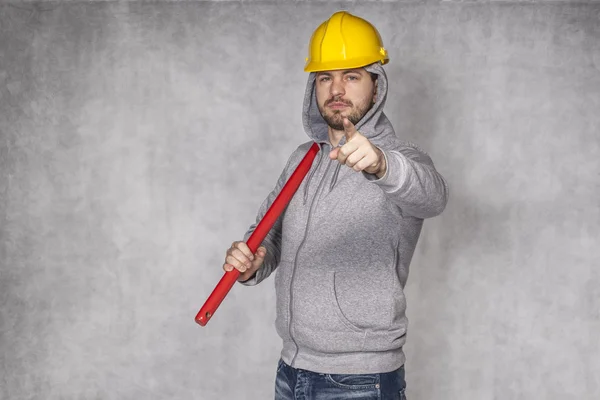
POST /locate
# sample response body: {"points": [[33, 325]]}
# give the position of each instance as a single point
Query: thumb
{"points": [[334, 153], [261, 252]]}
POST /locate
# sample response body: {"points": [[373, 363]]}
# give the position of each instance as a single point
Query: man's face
{"points": [[344, 93]]}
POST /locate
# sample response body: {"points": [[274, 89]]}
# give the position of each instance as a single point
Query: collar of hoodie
{"points": [[316, 166]]}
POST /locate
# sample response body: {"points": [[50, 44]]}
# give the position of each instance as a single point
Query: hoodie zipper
{"points": [[291, 306]]}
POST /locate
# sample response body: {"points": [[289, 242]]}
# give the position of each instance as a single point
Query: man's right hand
{"points": [[241, 258]]}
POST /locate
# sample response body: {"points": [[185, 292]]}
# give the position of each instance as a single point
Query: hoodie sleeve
{"points": [[412, 182], [272, 242]]}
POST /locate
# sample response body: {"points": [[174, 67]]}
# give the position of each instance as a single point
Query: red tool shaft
{"points": [[264, 226]]}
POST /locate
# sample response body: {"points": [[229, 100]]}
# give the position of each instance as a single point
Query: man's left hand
{"points": [[358, 153]]}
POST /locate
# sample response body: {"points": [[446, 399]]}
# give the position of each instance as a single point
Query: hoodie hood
{"points": [[374, 125]]}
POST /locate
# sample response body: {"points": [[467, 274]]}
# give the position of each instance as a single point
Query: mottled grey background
{"points": [[137, 141]]}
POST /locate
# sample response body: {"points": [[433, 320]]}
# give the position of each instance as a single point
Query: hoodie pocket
{"points": [[365, 298], [371, 300], [317, 320], [338, 309], [359, 307]]}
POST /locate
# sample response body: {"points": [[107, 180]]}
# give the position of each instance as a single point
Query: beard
{"points": [[335, 119]]}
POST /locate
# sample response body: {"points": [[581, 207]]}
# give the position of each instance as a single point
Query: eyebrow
{"points": [[349, 71]]}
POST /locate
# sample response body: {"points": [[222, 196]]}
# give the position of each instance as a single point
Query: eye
{"points": [[352, 77], [323, 78]]}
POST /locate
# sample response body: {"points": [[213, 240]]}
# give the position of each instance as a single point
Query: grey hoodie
{"points": [[342, 247]]}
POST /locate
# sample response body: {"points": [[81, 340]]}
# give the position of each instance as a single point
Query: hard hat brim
{"points": [[314, 66]]}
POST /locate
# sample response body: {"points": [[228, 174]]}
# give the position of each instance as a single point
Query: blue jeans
{"points": [[299, 384]]}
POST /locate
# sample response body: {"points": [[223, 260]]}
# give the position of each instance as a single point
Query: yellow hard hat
{"points": [[344, 41]]}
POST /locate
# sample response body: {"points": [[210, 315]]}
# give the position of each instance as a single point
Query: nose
{"points": [[337, 87]]}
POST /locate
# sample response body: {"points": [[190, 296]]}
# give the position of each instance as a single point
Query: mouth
{"points": [[337, 105]]}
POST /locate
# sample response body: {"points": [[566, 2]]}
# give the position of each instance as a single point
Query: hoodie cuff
{"points": [[252, 281], [394, 173], [373, 177]]}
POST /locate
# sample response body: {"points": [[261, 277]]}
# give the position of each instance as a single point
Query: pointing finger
{"points": [[349, 129]]}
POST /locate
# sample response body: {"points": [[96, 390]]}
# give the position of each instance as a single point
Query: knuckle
{"points": [[241, 257]]}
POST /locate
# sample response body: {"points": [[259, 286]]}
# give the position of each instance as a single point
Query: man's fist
{"points": [[240, 257], [358, 153]]}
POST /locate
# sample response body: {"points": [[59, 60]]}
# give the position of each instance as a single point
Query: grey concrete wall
{"points": [[137, 141]]}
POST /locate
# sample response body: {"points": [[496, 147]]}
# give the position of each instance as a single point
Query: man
{"points": [[341, 249]]}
